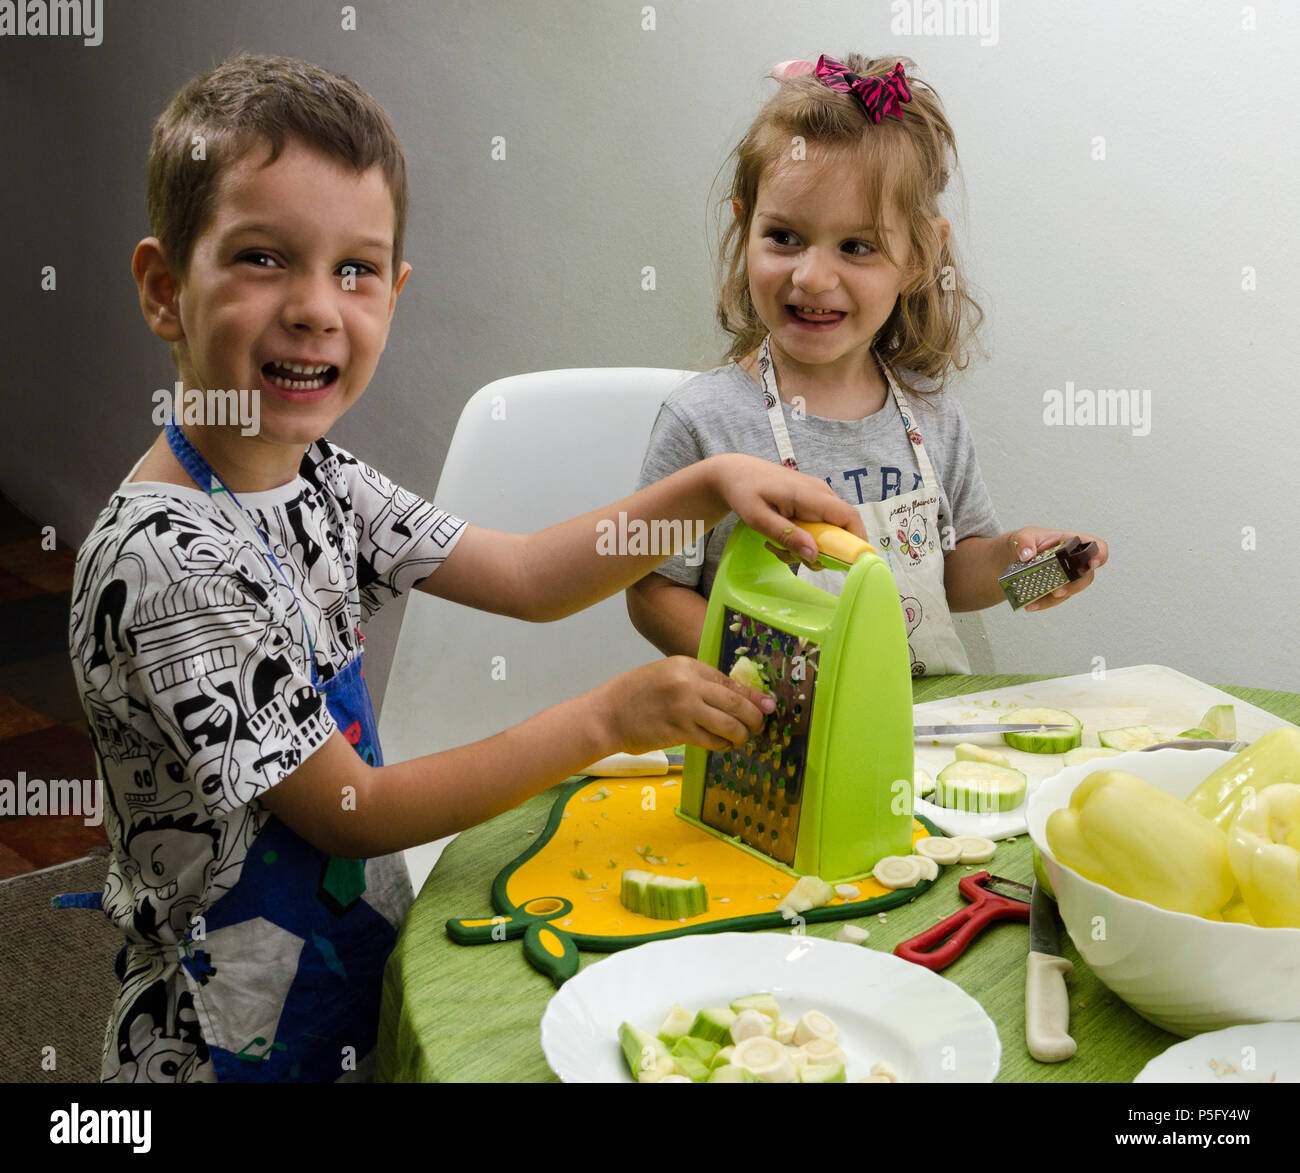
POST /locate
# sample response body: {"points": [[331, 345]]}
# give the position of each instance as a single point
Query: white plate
{"points": [[1147, 694], [1261, 1052], [922, 1025]]}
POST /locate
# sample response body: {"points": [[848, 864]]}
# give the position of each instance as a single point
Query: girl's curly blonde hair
{"points": [[903, 160]]}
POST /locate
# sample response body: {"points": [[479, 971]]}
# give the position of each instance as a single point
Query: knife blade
{"points": [[1047, 1002], [943, 730]]}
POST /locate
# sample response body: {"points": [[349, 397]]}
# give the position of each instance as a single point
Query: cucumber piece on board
{"points": [[1046, 740], [980, 787], [662, 897], [1197, 735], [922, 782], [1221, 723], [969, 752], [1085, 753], [1131, 737]]}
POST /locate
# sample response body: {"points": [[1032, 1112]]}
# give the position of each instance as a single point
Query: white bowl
{"points": [[1183, 973]]}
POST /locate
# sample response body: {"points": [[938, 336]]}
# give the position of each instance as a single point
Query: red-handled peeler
{"points": [[991, 898]]}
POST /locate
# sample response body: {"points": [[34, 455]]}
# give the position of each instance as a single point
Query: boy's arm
{"points": [[668, 614], [567, 567], [390, 808]]}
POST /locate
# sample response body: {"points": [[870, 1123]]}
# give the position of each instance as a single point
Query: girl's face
{"points": [[817, 278]]}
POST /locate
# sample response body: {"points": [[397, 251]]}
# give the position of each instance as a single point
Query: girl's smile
{"points": [[818, 280]]}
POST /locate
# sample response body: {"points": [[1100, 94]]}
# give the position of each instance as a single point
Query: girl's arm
{"points": [[669, 615], [971, 569], [567, 567]]}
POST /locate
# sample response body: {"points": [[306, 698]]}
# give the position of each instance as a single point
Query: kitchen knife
{"points": [[1047, 1003], [944, 730]]}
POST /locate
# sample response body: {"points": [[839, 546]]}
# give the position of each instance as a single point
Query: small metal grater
{"points": [[754, 793], [1027, 582]]}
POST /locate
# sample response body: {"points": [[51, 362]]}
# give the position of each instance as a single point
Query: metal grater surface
{"points": [[1028, 582], [754, 793]]}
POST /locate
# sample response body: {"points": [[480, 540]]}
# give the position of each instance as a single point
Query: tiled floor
{"points": [[42, 729]]}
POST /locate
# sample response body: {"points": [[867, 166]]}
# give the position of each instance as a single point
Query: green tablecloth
{"points": [[471, 1014]]}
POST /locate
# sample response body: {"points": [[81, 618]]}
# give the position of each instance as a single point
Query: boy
{"points": [[215, 622]]}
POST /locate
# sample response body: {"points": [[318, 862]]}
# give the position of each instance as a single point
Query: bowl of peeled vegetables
{"points": [[1177, 874]]}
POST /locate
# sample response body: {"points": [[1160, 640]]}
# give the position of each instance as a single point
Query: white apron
{"points": [[905, 529]]}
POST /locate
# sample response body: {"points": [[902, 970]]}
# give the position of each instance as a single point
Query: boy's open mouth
{"points": [[300, 376], [809, 316]]}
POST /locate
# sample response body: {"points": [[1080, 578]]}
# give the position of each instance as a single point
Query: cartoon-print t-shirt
{"points": [[194, 664]]}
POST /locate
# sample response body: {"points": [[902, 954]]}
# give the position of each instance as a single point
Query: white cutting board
{"points": [[1146, 694]]}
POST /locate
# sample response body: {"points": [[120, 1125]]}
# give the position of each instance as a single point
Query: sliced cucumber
{"points": [[714, 1024], [1085, 753], [1045, 740], [676, 1024], [980, 786], [690, 1067], [1197, 735], [922, 782], [1131, 737], [662, 897], [701, 1050], [647, 1057], [969, 752], [1221, 722]]}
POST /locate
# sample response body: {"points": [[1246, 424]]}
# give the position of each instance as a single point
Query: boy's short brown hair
{"points": [[254, 100]]}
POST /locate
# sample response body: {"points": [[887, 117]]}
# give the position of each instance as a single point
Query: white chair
{"points": [[528, 451]]}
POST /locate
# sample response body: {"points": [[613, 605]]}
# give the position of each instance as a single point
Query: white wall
{"points": [[1124, 272]]}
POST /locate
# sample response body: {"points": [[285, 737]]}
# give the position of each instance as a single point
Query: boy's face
{"points": [[295, 267]]}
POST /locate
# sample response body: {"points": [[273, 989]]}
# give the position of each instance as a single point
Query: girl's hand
{"points": [[1027, 541], [767, 498], [679, 700]]}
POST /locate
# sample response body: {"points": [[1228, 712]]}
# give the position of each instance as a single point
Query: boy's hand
{"points": [[679, 700], [767, 497], [1027, 541]]}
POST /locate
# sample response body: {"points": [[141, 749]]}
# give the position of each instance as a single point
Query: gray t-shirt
{"points": [[863, 460]]}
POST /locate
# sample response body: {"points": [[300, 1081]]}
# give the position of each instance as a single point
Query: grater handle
{"points": [[836, 544]]}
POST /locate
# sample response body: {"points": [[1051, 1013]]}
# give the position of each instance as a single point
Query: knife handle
{"points": [[1047, 1008]]}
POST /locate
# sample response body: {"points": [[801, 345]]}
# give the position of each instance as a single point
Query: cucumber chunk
{"points": [[1045, 740], [1131, 737], [647, 1057], [1221, 723], [749, 673], [980, 786], [922, 782], [676, 1024], [714, 1024], [701, 1050], [662, 897], [969, 752], [1085, 753], [1197, 735]]}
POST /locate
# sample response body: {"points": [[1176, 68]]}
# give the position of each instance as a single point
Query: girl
{"points": [[847, 312]]}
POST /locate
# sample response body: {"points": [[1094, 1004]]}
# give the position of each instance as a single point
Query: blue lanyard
{"points": [[206, 478]]}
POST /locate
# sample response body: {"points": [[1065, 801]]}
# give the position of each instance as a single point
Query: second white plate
{"points": [[925, 1027]]}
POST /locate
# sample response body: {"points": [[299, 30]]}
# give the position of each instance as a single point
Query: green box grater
{"points": [[825, 788]]}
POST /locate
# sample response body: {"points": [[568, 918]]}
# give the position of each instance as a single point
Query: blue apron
{"points": [[330, 1013]]}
